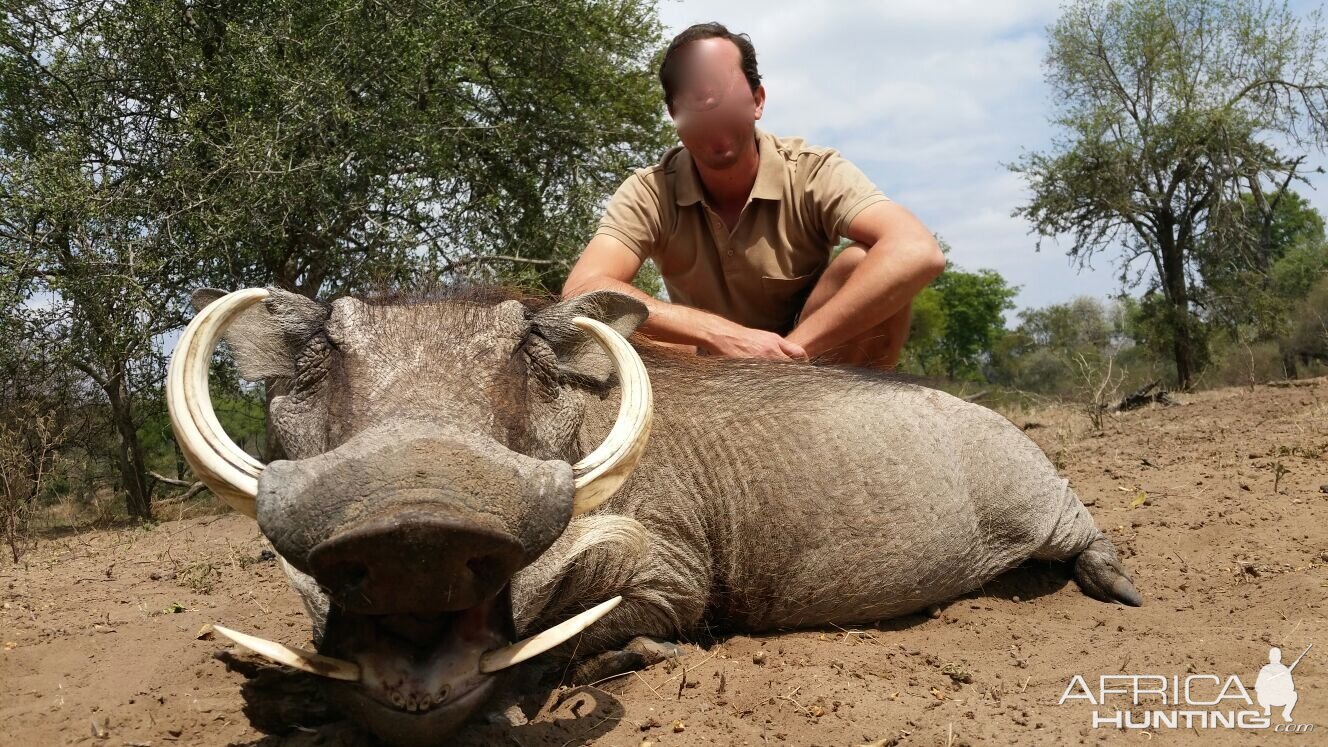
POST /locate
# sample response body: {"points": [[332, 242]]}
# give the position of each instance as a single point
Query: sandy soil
{"points": [[1229, 547]]}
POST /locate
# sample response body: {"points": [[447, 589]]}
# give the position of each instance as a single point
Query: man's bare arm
{"points": [[607, 264], [902, 259]]}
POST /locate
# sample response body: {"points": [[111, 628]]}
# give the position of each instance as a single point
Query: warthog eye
{"points": [[540, 361]]}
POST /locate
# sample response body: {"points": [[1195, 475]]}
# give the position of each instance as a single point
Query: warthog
{"points": [[440, 497]]}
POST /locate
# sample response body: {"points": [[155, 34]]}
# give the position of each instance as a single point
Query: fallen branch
{"points": [[1145, 396], [194, 488], [171, 481]]}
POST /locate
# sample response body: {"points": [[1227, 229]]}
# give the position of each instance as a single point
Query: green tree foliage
{"points": [[1297, 271], [86, 239], [1308, 336], [956, 321], [1044, 352], [1082, 324], [356, 142], [1170, 110], [1249, 286]]}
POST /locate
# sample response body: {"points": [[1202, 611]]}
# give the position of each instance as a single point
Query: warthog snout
{"points": [[416, 560], [411, 518]]}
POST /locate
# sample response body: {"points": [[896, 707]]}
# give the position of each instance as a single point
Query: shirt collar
{"points": [[769, 183]]}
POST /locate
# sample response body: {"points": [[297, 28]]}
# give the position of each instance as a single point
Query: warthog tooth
{"points": [[305, 661], [502, 658]]}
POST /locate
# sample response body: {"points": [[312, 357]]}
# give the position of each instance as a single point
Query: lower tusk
{"points": [[502, 658], [305, 661]]}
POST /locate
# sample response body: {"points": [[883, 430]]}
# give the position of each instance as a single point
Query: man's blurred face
{"points": [[714, 108]]}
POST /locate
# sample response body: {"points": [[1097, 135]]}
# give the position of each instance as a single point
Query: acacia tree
{"points": [[87, 234], [1170, 111]]}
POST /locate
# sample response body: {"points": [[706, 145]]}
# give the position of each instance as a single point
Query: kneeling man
{"points": [[742, 224]]}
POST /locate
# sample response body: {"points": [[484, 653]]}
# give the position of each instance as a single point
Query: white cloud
{"points": [[930, 99]]}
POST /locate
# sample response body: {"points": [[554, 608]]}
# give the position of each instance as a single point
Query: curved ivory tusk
{"points": [[601, 472], [224, 467], [502, 658], [305, 661]]}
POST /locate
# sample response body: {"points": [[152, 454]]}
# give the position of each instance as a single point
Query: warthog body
{"points": [[423, 482], [776, 495]]}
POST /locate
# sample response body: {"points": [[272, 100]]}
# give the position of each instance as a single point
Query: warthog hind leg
{"points": [[1101, 575], [1097, 567]]}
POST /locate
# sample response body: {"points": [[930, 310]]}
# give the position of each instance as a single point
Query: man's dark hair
{"points": [[668, 67]]}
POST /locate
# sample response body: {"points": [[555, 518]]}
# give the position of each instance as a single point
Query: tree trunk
{"points": [[129, 451], [1183, 348], [11, 508], [180, 465], [1177, 295], [1289, 369]]}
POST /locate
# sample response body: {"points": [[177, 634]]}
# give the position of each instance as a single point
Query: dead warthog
{"points": [[466, 468]]}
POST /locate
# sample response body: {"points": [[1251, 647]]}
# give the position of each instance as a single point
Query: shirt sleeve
{"points": [[633, 216], [837, 191]]}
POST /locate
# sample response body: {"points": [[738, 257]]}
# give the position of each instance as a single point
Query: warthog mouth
{"points": [[420, 675], [420, 663], [408, 677]]}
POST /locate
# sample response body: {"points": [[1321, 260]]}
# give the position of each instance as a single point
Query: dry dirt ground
{"points": [[1218, 505]]}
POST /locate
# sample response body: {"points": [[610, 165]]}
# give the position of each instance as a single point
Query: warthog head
{"points": [[432, 452]]}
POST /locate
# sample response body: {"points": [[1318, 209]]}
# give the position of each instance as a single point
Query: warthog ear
{"points": [[578, 355], [266, 338]]}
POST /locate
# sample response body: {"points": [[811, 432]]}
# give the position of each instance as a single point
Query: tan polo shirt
{"points": [[760, 274]]}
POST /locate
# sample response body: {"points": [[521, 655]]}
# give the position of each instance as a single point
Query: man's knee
{"points": [[843, 265], [848, 258], [834, 277]]}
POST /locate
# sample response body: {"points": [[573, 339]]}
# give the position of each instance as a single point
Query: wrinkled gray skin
{"points": [[428, 444]]}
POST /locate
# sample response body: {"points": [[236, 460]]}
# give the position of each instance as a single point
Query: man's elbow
{"points": [[581, 285], [577, 280], [572, 288], [931, 260]]}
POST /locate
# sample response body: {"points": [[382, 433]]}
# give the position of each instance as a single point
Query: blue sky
{"points": [[930, 99]]}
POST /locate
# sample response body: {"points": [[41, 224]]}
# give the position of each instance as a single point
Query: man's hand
{"points": [[733, 340], [607, 263]]}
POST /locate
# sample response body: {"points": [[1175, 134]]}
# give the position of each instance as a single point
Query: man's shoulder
{"points": [[664, 168], [655, 180], [795, 148]]}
